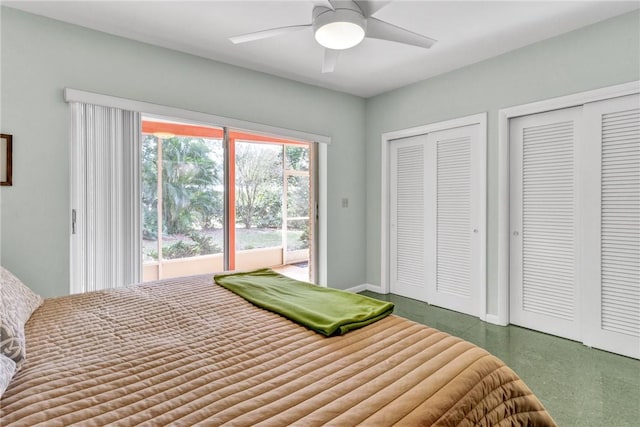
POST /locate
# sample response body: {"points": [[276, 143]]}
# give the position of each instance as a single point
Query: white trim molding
{"points": [[386, 138], [492, 318], [374, 288], [323, 173], [357, 289], [75, 95], [365, 287], [504, 115]]}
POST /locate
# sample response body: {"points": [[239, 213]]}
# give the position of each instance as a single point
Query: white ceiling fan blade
{"points": [[378, 29], [323, 3], [368, 8], [258, 35], [330, 60]]}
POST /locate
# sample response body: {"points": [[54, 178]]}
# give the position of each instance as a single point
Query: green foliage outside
{"points": [[258, 185], [190, 176], [297, 158], [199, 245], [192, 195]]}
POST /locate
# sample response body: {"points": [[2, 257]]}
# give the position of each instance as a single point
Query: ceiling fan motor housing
{"points": [[348, 23]]}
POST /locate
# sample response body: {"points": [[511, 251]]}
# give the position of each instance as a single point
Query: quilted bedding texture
{"points": [[185, 352]]}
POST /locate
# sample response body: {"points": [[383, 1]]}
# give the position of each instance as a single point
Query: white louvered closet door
{"points": [[407, 221], [544, 292], [454, 219], [612, 225]]}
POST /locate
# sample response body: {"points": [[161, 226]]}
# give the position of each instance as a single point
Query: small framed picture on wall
{"points": [[6, 161]]}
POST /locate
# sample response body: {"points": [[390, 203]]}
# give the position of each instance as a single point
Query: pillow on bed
{"points": [[18, 302], [7, 369]]}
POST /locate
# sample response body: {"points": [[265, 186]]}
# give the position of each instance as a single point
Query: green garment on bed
{"points": [[324, 310]]}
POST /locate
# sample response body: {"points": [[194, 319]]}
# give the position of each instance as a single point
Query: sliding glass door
{"points": [[182, 200], [299, 207], [268, 216]]}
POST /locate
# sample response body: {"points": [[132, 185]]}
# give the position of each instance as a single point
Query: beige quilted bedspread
{"points": [[186, 351]]}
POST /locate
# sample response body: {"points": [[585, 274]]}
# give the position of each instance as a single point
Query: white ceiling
{"points": [[467, 32]]}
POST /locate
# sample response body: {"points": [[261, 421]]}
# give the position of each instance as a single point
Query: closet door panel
{"points": [[453, 219], [544, 240], [612, 224], [407, 221]]}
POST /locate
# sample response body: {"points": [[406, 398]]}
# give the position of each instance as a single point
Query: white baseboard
{"points": [[489, 318], [492, 318], [365, 287], [357, 289], [374, 288]]}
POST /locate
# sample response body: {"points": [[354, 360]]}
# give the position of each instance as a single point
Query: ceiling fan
{"points": [[341, 24]]}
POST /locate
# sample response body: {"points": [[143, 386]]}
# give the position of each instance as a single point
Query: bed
{"points": [[189, 352]]}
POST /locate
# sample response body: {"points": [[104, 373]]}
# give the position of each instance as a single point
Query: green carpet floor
{"points": [[578, 385]]}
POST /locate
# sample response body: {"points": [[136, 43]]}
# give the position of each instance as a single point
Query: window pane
{"points": [[297, 196], [192, 197], [297, 157], [258, 195], [297, 234]]}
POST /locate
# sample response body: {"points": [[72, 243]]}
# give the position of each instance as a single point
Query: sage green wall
{"points": [[604, 54], [40, 57]]}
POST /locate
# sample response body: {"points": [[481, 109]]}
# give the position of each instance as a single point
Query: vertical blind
{"points": [[106, 239]]}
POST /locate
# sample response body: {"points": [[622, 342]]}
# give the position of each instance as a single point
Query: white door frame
{"points": [[386, 138], [502, 317]]}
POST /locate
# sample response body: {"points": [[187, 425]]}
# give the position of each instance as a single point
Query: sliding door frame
{"points": [[504, 116], [204, 119]]}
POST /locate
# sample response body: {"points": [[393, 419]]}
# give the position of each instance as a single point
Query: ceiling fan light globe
{"points": [[338, 29], [339, 35]]}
